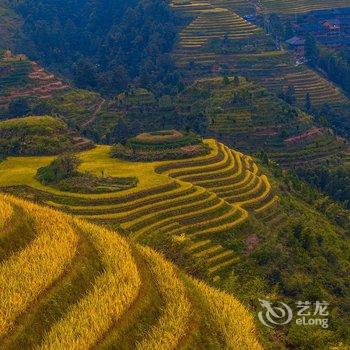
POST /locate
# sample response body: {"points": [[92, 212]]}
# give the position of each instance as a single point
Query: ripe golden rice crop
{"points": [[230, 318], [113, 293], [6, 211], [174, 321], [28, 273], [25, 275]]}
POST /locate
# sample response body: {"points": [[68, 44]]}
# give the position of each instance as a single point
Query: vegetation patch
{"points": [[34, 136], [161, 145], [62, 174]]}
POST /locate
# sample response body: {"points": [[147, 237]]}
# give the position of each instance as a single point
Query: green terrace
{"points": [[300, 6], [218, 41], [203, 198], [245, 116]]}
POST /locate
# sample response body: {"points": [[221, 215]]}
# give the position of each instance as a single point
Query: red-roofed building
{"points": [[332, 25]]}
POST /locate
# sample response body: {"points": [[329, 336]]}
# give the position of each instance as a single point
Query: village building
{"points": [[297, 45]]}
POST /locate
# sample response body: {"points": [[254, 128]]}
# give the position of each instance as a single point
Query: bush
{"points": [[18, 108], [163, 141], [61, 168], [126, 153], [34, 136], [63, 174]]}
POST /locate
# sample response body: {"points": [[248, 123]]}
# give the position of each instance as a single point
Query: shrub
{"points": [[63, 174], [34, 136], [130, 154], [61, 168], [18, 108]]}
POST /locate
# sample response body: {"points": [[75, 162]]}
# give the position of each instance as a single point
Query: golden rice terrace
{"points": [[68, 284]]}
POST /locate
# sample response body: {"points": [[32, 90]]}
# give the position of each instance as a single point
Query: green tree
{"points": [[18, 108], [43, 108], [135, 128], [262, 155], [311, 50], [120, 132], [85, 74], [60, 168], [308, 103], [324, 121], [290, 95], [226, 80], [289, 31]]}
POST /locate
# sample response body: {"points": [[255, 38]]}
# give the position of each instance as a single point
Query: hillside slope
{"points": [[217, 41], [44, 93], [38, 135], [290, 7], [10, 24], [242, 114], [203, 198], [255, 231], [82, 44], [86, 286], [246, 116]]}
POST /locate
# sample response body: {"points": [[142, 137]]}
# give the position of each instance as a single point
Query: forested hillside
{"points": [[104, 45]]}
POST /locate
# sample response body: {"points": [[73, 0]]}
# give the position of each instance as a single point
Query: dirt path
{"points": [[94, 114]]}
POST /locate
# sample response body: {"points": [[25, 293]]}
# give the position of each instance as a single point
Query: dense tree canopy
{"points": [[106, 44]]}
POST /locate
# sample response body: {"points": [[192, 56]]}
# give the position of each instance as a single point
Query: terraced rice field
{"points": [[261, 115], [218, 41], [318, 149], [21, 78], [258, 124], [301, 6], [347, 158], [215, 23], [203, 198], [197, 7], [69, 284], [307, 81]]}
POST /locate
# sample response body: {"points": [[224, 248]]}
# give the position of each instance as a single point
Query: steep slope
{"points": [[218, 41], [10, 24], [220, 219], [44, 93], [289, 7], [86, 286], [22, 78], [245, 115], [202, 198], [39, 135], [82, 44]]}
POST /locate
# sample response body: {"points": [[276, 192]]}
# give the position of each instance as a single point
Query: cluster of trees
{"points": [[288, 95], [336, 117], [122, 131], [242, 98], [106, 44], [18, 108], [335, 64], [325, 189], [334, 182], [61, 168], [280, 29], [63, 173], [126, 129]]}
